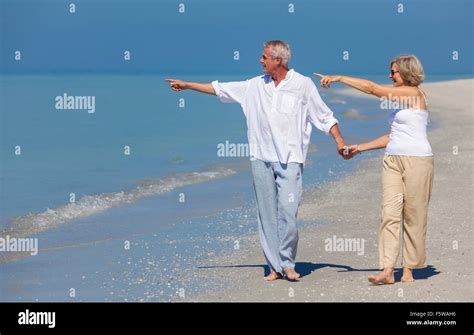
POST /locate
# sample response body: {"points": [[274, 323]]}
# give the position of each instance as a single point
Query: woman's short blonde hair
{"points": [[410, 69]]}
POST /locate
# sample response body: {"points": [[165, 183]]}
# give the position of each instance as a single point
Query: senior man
{"points": [[280, 107]]}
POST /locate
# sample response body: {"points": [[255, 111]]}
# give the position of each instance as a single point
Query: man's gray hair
{"points": [[280, 50]]}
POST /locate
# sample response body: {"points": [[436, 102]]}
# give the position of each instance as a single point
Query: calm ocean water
{"points": [[73, 151]]}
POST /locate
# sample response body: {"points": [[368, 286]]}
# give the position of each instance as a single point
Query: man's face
{"points": [[269, 63]]}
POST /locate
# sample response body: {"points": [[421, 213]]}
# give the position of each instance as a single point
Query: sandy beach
{"points": [[350, 209]]}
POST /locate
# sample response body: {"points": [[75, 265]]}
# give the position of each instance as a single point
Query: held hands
{"points": [[327, 80], [347, 152], [178, 85]]}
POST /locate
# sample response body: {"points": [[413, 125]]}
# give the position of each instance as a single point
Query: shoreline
{"points": [[342, 276]]}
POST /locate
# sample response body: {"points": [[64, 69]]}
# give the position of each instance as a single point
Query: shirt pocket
{"points": [[289, 105]]}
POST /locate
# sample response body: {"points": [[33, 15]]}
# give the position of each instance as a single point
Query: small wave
{"points": [[353, 114], [338, 101], [93, 204]]}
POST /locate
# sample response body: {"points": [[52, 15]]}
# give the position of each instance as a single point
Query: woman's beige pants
{"points": [[407, 183]]}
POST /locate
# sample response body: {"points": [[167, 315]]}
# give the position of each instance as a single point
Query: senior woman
{"points": [[407, 175]]}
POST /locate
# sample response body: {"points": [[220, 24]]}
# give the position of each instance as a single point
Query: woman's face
{"points": [[395, 76]]}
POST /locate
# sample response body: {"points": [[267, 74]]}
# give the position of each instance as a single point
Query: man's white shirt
{"points": [[279, 118]]}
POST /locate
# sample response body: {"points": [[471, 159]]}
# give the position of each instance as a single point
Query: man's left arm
{"points": [[340, 143]]}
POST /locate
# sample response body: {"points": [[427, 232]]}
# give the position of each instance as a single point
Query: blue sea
{"points": [[127, 202]]}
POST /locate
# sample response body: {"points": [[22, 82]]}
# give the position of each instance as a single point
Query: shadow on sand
{"points": [[306, 268]]}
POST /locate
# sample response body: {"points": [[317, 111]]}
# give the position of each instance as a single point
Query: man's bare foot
{"points": [[407, 276], [384, 277], [273, 276], [292, 275]]}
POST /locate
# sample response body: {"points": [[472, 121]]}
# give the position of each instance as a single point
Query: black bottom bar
{"points": [[433, 317]]}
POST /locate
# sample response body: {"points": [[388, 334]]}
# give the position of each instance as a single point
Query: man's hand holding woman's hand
{"points": [[347, 152]]}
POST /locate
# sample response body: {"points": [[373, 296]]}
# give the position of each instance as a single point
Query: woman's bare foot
{"points": [[273, 276], [292, 275], [382, 278], [407, 276]]}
